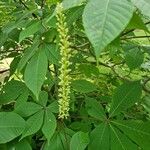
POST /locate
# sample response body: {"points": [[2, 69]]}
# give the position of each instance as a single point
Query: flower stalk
{"points": [[65, 52]]}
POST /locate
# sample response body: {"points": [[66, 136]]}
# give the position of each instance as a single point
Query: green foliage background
{"points": [[110, 71]]}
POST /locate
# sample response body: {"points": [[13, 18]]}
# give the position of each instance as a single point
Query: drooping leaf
{"points": [[125, 96], [33, 124], [35, 72], [49, 125], [104, 20], [79, 141], [83, 86], [11, 126]]}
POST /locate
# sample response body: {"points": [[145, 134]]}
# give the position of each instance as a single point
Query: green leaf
{"points": [[36, 71], [33, 124], [119, 141], [52, 53], [79, 141], [30, 30], [23, 145], [99, 138], [27, 109], [83, 86], [138, 131], [11, 126], [73, 3], [104, 20], [134, 58], [143, 6], [94, 108], [11, 91], [53, 107], [89, 70], [29, 52], [125, 96], [55, 143], [136, 23], [43, 98], [49, 125]]}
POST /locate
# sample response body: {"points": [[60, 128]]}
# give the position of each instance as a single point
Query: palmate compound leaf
{"points": [[11, 126], [121, 135], [125, 96], [137, 131], [104, 20], [36, 71]]}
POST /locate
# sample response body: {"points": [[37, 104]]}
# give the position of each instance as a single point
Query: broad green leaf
{"points": [[134, 58], [36, 71], [53, 107], [119, 141], [23, 145], [83, 86], [104, 20], [55, 143], [79, 141], [30, 30], [60, 140], [73, 3], [125, 96], [22, 99], [11, 126], [73, 15], [33, 124], [88, 69], [94, 108], [49, 125], [11, 91], [52, 53], [16, 145], [27, 109], [99, 138], [137, 131], [29, 52], [143, 6], [136, 23], [43, 98]]}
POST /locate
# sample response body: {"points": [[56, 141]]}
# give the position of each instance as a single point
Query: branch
{"points": [[136, 37]]}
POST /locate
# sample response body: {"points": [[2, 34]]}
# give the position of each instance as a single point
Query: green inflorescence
{"points": [[64, 84]]}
